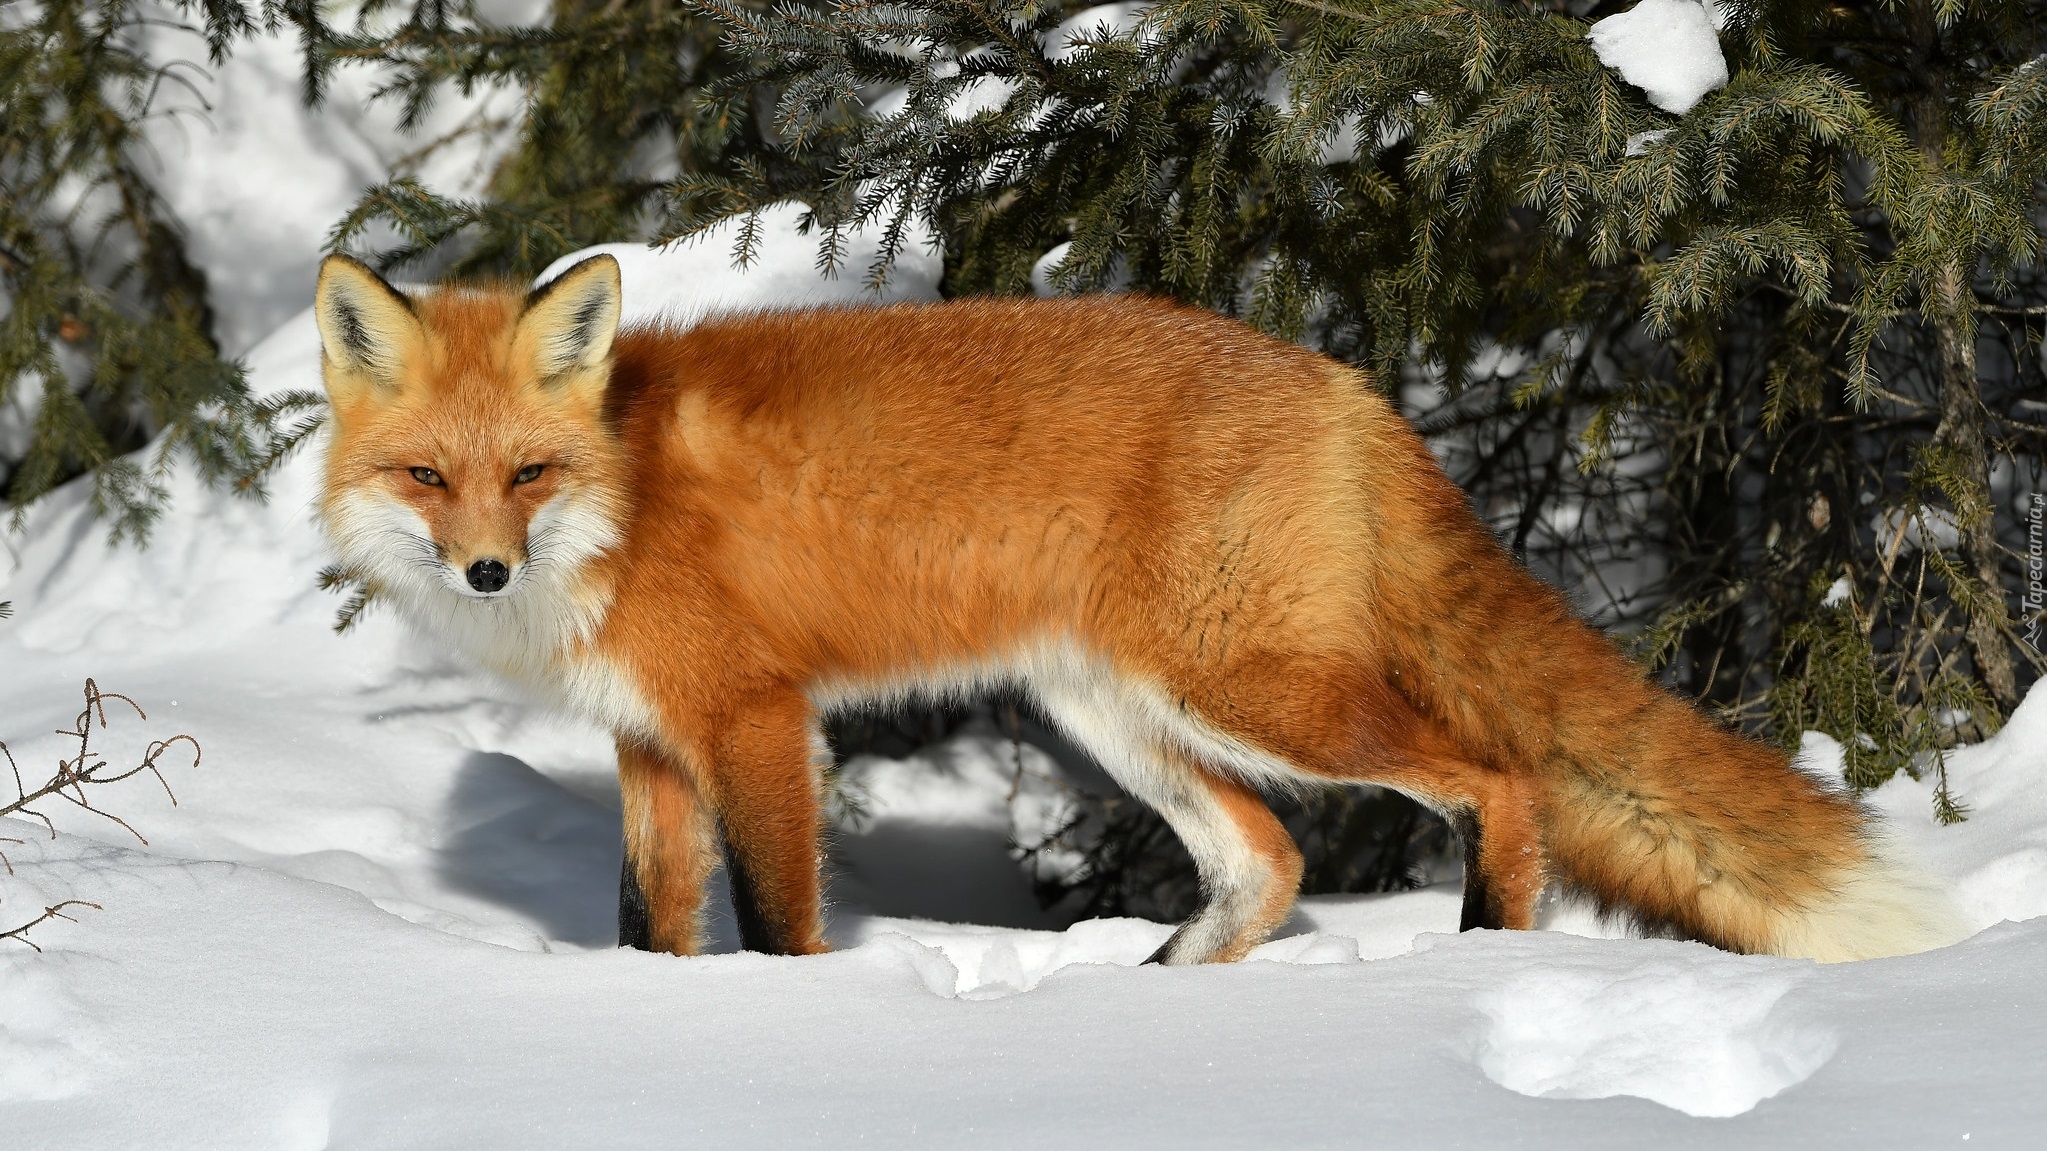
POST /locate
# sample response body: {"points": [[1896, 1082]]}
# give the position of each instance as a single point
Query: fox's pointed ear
{"points": [[366, 327], [569, 323]]}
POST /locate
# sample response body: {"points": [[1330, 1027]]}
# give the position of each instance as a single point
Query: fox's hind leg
{"points": [[669, 852], [1342, 721], [1497, 817], [1250, 869], [1504, 863]]}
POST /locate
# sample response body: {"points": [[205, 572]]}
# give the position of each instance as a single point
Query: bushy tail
{"points": [[1721, 838], [1651, 807]]}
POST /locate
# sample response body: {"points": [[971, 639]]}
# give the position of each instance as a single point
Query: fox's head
{"points": [[470, 461]]}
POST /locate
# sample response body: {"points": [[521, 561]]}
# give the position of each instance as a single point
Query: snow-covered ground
{"points": [[380, 915]]}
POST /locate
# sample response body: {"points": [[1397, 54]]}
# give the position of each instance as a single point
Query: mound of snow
{"points": [[1703, 1037], [1997, 859]]}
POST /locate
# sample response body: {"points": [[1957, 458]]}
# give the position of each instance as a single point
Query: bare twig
{"points": [[68, 783], [72, 775], [20, 934]]}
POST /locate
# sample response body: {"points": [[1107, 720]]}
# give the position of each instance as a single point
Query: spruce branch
{"points": [[357, 589], [108, 325]]}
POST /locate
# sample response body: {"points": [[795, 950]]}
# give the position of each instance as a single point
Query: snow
{"points": [[1838, 593], [381, 914], [1667, 48], [1640, 143], [1999, 861], [954, 804], [1911, 530], [257, 180], [689, 278], [1704, 1039]]}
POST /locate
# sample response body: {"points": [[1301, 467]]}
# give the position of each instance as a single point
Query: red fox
{"points": [[1220, 562]]}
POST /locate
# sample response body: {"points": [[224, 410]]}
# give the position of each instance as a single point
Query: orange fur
{"points": [[1222, 561], [669, 846]]}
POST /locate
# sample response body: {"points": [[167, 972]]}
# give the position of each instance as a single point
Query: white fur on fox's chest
{"points": [[545, 649], [540, 634]]}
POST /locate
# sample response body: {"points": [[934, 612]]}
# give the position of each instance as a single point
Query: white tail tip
{"points": [[1882, 906]]}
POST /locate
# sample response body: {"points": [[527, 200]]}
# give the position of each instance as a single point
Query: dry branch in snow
{"points": [[70, 779], [20, 934]]}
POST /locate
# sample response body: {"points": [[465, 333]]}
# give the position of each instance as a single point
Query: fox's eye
{"points": [[429, 477], [528, 474]]}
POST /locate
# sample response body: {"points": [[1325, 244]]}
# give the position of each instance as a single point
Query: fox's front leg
{"points": [[764, 765], [670, 849]]}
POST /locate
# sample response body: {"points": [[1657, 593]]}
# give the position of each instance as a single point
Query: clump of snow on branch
{"points": [[1668, 48]]}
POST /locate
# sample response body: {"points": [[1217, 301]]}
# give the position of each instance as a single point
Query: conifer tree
{"points": [[1773, 349], [612, 119], [106, 338], [1759, 381]]}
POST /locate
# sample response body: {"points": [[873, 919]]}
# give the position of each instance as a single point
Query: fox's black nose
{"points": [[488, 576]]}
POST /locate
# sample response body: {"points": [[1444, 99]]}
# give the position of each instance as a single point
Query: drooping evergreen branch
{"points": [[106, 341]]}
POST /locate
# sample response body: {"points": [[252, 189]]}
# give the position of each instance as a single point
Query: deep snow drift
{"points": [[380, 916]]}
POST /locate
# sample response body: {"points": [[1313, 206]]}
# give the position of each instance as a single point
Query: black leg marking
{"points": [[1480, 909], [634, 928], [754, 932], [1166, 948]]}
